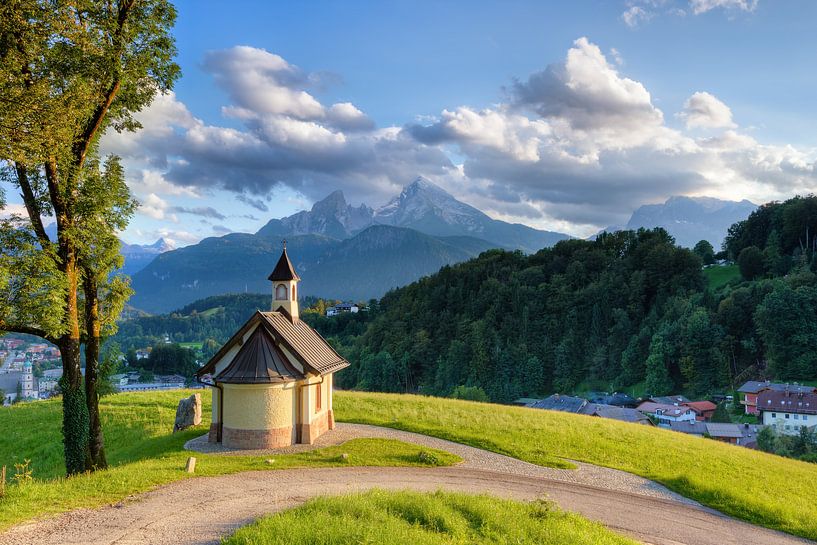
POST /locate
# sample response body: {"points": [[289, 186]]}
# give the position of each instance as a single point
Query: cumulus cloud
{"points": [[705, 111], [580, 144], [573, 147], [286, 137]]}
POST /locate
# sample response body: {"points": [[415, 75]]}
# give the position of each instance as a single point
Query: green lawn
{"points": [[144, 454], [761, 488], [720, 275], [194, 346], [411, 518]]}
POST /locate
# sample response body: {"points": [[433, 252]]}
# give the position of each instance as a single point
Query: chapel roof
{"points": [[259, 361], [283, 269], [294, 336]]}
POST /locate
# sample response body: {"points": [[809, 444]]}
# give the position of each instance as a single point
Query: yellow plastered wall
{"points": [[259, 406], [222, 364], [309, 396]]}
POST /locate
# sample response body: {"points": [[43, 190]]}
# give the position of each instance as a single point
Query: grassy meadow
{"points": [[754, 486], [750, 485], [720, 275], [411, 518], [143, 454]]}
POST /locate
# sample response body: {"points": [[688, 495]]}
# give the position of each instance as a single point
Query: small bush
{"points": [[471, 393], [22, 472], [429, 458]]}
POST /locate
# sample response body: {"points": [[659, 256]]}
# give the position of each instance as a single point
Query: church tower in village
{"points": [[27, 381], [285, 286]]}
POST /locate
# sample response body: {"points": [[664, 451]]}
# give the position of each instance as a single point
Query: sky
{"points": [[563, 116]]}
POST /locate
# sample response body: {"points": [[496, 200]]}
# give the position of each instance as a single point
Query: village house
{"points": [[623, 414], [273, 380], [665, 413], [788, 410], [669, 400], [704, 410], [617, 399], [753, 388], [689, 427], [557, 402], [342, 308]]}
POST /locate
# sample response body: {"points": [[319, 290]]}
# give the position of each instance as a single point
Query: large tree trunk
{"points": [[96, 439], [74, 409]]}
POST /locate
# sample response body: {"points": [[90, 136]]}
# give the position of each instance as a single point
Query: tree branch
{"points": [[17, 328], [32, 206], [83, 143]]}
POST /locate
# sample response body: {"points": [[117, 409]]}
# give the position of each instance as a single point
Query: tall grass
{"points": [[761, 488], [143, 454], [410, 518]]}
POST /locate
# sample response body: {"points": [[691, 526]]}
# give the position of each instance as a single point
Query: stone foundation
{"points": [[212, 436], [256, 439], [316, 428]]}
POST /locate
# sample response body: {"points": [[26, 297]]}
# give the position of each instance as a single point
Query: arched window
{"points": [[281, 292], [293, 292]]}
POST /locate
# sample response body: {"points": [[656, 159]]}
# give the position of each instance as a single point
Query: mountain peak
{"points": [[424, 185], [335, 199], [162, 245]]}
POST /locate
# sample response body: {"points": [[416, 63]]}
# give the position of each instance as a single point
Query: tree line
{"points": [[630, 308]]}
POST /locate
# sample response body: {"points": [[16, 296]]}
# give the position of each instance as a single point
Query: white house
{"points": [[788, 411], [342, 308], [666, 413]]}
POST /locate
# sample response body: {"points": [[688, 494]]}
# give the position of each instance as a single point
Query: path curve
{"points": [[200, 511]]}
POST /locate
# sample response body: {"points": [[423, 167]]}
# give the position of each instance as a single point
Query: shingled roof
{"points": [[754, 387], [259, 361], [283, 269], [304, 343]]}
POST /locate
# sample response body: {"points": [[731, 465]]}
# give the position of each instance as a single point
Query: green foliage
{"points": [[751, 263], [516, 325], [170, 359], [412, 518], [471, 393], [721, 414], [802, 446], [787, 323], [747, 484], [22, 473], [705, 251], [787, 229]]}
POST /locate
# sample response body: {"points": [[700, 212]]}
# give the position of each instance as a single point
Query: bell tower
{"points": [[285, 285]]}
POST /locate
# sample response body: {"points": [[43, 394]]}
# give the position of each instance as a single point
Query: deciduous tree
{"points": [[69, 70]]}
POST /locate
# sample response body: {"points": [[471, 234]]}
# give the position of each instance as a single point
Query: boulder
{"points": [[188, 413]]}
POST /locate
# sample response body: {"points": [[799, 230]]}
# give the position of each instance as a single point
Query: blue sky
{"points": [[561, 115], [400, 59]]}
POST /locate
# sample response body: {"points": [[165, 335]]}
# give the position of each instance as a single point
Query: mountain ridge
{"points": [[422, 206], [690, 219]]}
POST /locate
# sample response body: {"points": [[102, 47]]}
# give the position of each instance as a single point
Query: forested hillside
{"points": [[631, 308]]}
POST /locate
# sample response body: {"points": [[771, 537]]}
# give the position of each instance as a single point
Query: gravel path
{"points": [[474, 458], [200, 511]]}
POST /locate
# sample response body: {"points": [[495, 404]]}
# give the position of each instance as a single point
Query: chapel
{"points": [[272, 381]]}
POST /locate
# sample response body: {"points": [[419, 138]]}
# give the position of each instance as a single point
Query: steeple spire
{"points": [[285, 285]]}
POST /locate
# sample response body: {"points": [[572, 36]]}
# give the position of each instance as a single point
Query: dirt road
{"points": [[201, 511]]}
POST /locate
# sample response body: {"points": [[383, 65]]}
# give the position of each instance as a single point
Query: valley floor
{"points": [[203, 510]]}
